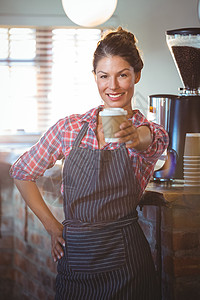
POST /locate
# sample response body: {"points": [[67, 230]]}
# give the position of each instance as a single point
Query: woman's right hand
{"points": [[34, 200], [57, 242]]}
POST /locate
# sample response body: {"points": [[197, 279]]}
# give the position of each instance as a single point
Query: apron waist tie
{"points": [[120, 223]]}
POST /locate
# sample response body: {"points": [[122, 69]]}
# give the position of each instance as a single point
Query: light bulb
{"points": [[89, 13]]}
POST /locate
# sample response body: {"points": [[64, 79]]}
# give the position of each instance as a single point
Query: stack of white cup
{"points": [[191, 160]]}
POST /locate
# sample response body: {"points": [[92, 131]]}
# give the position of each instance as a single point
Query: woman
{"points": [[100, 248]]}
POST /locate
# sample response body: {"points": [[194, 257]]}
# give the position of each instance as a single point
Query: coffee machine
{"points": [[182, 111]]}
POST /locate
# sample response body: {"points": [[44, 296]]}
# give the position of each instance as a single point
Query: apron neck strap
{"points": [[81, 134]]}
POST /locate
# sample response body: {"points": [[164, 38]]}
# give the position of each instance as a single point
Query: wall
{"points": [[27, 270], [6, 234], [148, 20]]}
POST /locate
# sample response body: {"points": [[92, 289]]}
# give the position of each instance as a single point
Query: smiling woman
{"points": [[100, 248], [41, 70]]}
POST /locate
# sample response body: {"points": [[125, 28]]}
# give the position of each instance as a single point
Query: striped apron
{"points": [[106, 255]]}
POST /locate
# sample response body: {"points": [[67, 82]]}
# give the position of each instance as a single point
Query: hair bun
{"points": [[119, 42], [129, 35], [119, 28]]}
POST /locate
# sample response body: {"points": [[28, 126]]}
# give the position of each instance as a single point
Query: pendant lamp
{"points": [[89, 13]]}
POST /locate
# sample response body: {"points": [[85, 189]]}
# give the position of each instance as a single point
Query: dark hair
{"points": [[121, 43]]}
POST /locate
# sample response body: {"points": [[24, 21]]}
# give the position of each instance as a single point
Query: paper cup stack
{"points": [[191, 160]]}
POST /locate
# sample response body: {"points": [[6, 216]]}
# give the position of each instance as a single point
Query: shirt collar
{"points": [[91, 115]]}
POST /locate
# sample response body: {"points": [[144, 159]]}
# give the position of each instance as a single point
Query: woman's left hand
{"points": [[138, 138], [128, 134]]}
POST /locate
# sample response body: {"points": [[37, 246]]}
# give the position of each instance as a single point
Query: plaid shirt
{"points": [[57, 142]]}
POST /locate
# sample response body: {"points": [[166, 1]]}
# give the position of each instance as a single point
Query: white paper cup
{"points": [[192, 176], [192, 160], [191, 185], [191, 157], [112, 118], [191, 165], [187, 174], [193, 181]]}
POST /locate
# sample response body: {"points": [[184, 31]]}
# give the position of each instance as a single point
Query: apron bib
{"points": [[99, 185]]}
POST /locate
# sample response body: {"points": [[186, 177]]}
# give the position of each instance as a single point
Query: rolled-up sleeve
{"points": [[144, 161], [41, 156], [160, 141], [160, 138]]}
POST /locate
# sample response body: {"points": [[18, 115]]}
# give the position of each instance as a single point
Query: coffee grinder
{"points": [[184, 109]]}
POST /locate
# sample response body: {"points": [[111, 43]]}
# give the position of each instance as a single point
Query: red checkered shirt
{"points": [[57, 142]]}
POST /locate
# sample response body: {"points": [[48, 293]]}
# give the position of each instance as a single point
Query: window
{"points": [[45, 74]]}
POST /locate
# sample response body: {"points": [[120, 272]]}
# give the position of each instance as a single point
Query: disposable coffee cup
{"points": [[192, 144], [112, 118]]}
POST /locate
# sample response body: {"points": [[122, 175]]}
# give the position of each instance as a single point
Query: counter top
{"points": [[175, 187], [171, 195]]}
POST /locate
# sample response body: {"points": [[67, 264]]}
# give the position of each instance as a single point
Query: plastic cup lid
{"points": [[115, 111]]}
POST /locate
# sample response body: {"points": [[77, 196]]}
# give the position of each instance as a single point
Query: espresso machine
{"points": [[180, 114]]}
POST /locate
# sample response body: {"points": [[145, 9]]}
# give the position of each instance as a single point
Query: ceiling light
{"points": [[89, 13]]}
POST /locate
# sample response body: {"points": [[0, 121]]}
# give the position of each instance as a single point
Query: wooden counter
{"points": [[173, 188], [170, 218]]}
